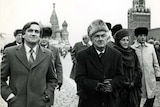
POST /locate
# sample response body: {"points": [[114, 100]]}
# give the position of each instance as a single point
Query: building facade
{"points": [[139, 15]]}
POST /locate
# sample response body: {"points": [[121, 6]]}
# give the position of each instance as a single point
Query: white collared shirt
{"points": [[27, 48], [99, 51]]}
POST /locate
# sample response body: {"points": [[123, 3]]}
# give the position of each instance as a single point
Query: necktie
{"points": [[100, 57], [31, 58]]}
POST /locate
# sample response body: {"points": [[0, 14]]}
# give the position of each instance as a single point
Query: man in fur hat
{"points": [[99, 70], [18, 38], [44, 42], [149, 65]]}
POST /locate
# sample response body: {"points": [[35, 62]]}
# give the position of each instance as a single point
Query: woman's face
{"points": [[124, 42]]}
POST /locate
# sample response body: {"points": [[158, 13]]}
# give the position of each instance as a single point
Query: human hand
{"points": [[108, 86], [105, 88], [59, 86], [100, 87]]}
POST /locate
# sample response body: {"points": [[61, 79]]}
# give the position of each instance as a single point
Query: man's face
{"points": [[44, 40], [32, 34], [86, 40], [18, 38], [141, 38], [100, 40]]}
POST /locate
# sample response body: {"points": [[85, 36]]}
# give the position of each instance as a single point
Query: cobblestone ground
{"points": [[67, 96], [157, 99]]}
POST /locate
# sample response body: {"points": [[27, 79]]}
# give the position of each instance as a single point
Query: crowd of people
{"points": [[108, 70]]}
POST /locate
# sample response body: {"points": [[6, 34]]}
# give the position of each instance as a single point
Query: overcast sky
{"points": [[78, 13]]}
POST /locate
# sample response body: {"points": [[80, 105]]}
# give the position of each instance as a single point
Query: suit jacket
{"points": [[10, 44], [79, 46], [90, 71], [30, 85]]}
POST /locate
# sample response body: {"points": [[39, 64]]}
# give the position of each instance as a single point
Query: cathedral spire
{"points": [[54, 19]]}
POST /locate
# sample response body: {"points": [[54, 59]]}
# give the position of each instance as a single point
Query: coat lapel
{"points": [[94, 59], [40, 56], [106, 61], [21, 55]]}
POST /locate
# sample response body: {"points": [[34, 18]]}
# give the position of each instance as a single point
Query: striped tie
{"points": [[31, 58]]}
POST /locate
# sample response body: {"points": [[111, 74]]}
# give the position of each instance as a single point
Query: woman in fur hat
{"points": [[129, 95]]}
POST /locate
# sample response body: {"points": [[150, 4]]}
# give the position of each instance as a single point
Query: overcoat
{"points": [[90, 71], [57, 63], [77, 47], [58, 68], [30, 85], [10, 44], [150, 68]]}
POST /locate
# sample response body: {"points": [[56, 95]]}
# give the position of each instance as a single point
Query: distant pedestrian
{"points": [[30, 69], [18, 38], [149, 65], [157, 49], [130, 92], [45, 37], [79, 46], [99, 70]]}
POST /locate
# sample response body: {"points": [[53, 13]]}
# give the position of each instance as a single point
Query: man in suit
{"points": [[18, 38], [99, 70], [76, 48], [30, 69], [46, 35]]}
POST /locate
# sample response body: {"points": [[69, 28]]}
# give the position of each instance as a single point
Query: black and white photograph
{"points": [[79, 53]]}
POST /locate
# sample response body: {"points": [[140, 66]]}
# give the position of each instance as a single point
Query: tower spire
{"points": [[54, 19]]}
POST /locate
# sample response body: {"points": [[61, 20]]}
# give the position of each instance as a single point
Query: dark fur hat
{"points": [[18, 31], [46, 32], [109, 25], [116, 28], [141, 30]]}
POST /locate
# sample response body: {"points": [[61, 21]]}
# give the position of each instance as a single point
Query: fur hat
{"points": [[141, 30], [109, 25], [96, 26], [116, 28], [46, 32], [120, 34], [18, 31]]}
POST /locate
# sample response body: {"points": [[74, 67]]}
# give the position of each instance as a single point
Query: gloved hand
{"points": [[104, 87], [59, 86], [108, 86], [100, 87]]}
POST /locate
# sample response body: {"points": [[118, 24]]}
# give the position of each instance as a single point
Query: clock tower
{"points": [[138, 15]]}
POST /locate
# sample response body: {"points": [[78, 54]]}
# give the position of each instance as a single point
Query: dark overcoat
{"points": [[90, 71], [58, 68], [77, 47], [30, 85], [10, 44]]}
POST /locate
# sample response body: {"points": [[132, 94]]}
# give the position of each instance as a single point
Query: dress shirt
{"points": [[28, 51], [99, 51]]}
